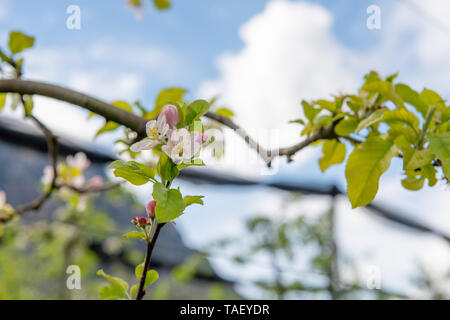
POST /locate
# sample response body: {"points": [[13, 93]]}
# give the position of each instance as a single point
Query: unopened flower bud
{"points": [[150, 208], [170, 112], [142, 221], [134, 220]]}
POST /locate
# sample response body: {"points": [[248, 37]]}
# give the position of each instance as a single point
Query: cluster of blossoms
{"points": [[70, 175], [180, 144], [5, 209], [142, 222]]}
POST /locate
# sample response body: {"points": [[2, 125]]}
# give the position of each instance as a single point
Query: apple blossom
{"points": [[79, 161], [182, 146], [158, 130], [95, 182]]}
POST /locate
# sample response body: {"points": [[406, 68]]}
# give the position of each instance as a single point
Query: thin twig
{"points": [[85, 190], [150, 246]]}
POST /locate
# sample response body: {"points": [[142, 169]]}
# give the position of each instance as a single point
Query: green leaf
{"points": [[346, 127], [299, 121], [309, 111], [401, 116], [138, 270], [412, 97], [368, 161], [387, 91], [195, 162], [225, 112], [28, 104], [375, 117], [162, 4], [413, 183], [132, 171], [418, 159], [118, 288], [329, 105], [430, 173], [170, 204], [109, 126], [195, 110], [19, 41], [2, 100], [166, 96], [189, 200], [150, 278], [134, 289], [432, 99], [440, 145], [134, 235], [333, 153], [166, 169], [111, 292], [323, 120]]}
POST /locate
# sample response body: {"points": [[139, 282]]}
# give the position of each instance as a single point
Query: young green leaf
{"points": [[333, 153], [309, 111], [189, 200], [413, 183], [162, 4], [440, 145], [364, 168], [134, 235], [19, 41], [132, 171], [2, 100], [346, 127], [195, 110], [166, 169], [117, 290], [166, 96], [412, 97], [225, 112], [432, 99], [170, 203], [374, 118]]}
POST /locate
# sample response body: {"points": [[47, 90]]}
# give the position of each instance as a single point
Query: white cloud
{"points": [[290, 53]]}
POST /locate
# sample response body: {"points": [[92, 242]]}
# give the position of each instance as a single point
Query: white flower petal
{"points": [[149, 126], [145, 144]]}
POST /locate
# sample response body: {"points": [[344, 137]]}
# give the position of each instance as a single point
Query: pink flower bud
{"points": [[142, 221], [134, 220], [170, 112], [151, 209]]}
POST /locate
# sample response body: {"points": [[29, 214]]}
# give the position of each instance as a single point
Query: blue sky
{"points": [[262, 57]]}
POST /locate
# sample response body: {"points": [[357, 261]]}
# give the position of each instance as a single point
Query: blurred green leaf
{"points": [[19, 41]]}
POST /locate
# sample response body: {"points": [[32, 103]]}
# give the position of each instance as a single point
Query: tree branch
{"points": [[136, 123]]}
